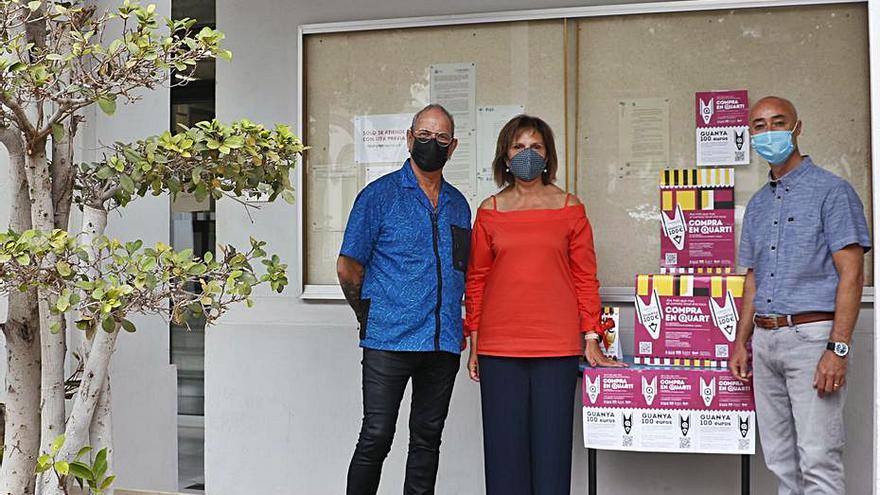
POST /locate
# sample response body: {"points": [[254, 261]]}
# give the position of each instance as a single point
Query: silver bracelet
{"points": [[592, 336]]}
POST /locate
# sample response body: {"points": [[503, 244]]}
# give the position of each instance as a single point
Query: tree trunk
{"points": [[100, 434], [52, 343], [86, 400], [21, 330], [62, 174], [22, 397], [101, 429]]}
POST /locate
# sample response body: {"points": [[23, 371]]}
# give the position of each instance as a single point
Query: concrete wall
{"points": [[283, 379], [144, 383]]}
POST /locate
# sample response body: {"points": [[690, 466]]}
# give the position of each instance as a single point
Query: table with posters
{"points": [[667, 409]]}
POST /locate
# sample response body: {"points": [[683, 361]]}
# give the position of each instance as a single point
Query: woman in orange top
{"points": [[532, 298]]}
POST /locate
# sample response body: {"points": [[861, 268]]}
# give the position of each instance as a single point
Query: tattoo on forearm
{"points": [[352, 291]]}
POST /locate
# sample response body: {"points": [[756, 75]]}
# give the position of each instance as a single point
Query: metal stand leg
{"points": [[746, 475], [591, 471]]}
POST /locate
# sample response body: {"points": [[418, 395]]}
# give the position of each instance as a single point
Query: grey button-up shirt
{"points": [[791, 227]]}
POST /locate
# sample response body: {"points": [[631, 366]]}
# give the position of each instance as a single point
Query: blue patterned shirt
{"points": [[414, 259], [791, 227]]}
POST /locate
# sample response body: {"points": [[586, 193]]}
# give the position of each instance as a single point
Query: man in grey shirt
{"points": [[804, 239]]}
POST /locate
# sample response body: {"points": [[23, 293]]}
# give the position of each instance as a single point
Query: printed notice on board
{"points": [[454, 87], [722, 119], [490, 120], [381, 138], [643, 137]]}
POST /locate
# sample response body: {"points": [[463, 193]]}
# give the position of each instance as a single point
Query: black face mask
{"points": [[429, 156]]}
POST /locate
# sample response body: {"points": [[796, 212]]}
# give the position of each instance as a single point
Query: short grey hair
{"points": [[434, 106]]}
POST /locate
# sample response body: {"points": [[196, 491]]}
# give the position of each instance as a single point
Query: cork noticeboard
{"points": [[816, 56]]}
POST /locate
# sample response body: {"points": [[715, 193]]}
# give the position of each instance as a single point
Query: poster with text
{"points": [[686, 320], [381, 138], [722, 127], [685, 410], [697, 219]]}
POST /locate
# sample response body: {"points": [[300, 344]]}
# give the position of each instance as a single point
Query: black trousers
{"points": [[528, 415], [385, 375]]}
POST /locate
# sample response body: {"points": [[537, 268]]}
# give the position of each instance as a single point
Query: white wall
{"points": [[282, 381], [144, 384]]}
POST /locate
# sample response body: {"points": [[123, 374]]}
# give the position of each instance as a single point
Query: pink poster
{"points": [[651, 409], [722, 108], [643, 387], [722, 127], [686, 320], [697, 219]]}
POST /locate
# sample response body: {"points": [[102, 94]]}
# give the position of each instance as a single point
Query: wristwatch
{"points": [[840, 349]]}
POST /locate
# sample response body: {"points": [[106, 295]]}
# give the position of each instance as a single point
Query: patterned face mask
{"points": [[527, 165]]}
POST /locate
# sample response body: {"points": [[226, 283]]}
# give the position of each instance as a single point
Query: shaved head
{"points": [[776, 103], [773, 113]]}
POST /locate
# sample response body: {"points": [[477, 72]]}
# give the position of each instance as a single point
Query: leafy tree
{"points": [[57, 58]]}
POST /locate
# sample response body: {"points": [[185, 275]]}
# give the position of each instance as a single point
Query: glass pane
{"points": [[815, 56], [389, 72]]}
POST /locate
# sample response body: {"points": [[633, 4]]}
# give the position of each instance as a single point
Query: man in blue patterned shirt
{"points": [[401, 267], [803, 242]]}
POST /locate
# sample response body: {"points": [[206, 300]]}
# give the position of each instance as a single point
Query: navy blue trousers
{"points": [[528, 413]]}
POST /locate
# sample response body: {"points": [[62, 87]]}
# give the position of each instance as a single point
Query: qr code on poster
{"points": [[671, 259], [722, 351], [744, 444], [627, 441], [739, 156], [646, 347], [684, 443]]}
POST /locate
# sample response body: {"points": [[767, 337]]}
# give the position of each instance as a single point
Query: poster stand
{"points": [[745, 473]]}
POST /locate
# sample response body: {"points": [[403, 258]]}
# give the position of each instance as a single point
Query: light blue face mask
{"points": [[774, 146]]}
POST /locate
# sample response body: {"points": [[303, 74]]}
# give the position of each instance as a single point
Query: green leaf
{"points": [[57, 132], [62, 468], [57, 444], [81, 471], [108, 324], [127, 183], [5, 257], [100, 466], [288, 196], [133, 246], [18, 66], [63, 268], [54, 57], [105, 173], [115, 45], [55, 327], [44, 462], [107, 104], [23, 259], [34, 5], [107, 482], [128, 326], [83, 451]]}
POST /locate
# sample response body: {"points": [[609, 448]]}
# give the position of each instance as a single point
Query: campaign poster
{"points": [[722, 128], [697, 219], [683, 410], [686, 320]]}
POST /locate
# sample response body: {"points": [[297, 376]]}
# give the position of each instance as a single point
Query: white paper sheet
{"points": [[454, 87], [381, 138], [643, 137]]}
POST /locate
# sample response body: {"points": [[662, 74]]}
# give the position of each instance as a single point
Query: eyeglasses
{"points": [[424, 135]]}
